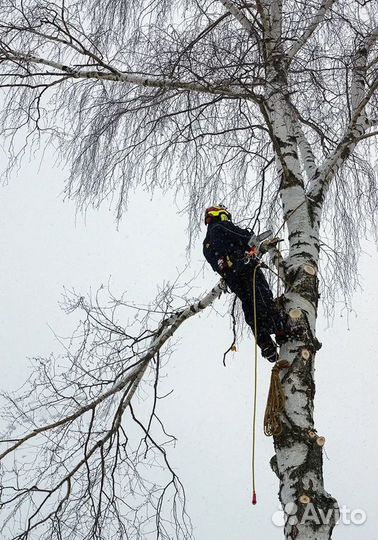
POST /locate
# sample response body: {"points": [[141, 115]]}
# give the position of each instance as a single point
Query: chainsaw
{"points": [[258, 244]]}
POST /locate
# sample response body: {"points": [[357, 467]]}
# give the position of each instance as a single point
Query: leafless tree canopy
{"points": [[79, 459], [174, 95], [248, 103]]}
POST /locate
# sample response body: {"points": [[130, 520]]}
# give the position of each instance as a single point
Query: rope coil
{"points": [[276, 401]]}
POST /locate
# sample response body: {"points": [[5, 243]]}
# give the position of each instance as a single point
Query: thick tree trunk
{"points": [[311, 512]]}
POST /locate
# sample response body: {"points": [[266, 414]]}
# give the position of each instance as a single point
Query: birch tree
{"points": [[269, 104]]}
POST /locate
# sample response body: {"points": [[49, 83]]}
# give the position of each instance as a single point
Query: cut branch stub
{"points": [[320, 441], [304, 499], [306, 354], [295, 313], [312, 434], [309, 269]]}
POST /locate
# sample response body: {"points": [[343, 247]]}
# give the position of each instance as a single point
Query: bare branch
{"points": [[311, 28], [107, 357], [231, 6], [358, 124], [308, 158], [134, 79]]}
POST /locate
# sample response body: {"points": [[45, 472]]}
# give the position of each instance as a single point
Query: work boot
{"points": [[269, 351], [281, 337]]}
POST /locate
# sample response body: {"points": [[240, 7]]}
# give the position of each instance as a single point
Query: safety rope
{"points": [[253, 457], [276, 396], [276, 401], [285, 220]]}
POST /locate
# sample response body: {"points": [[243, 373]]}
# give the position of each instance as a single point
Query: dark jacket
{"points": [[226, 241]]}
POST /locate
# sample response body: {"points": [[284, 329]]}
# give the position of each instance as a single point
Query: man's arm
{"points": [[228, 233]]}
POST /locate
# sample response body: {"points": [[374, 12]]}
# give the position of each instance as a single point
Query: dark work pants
{"points": [[268, 319]]}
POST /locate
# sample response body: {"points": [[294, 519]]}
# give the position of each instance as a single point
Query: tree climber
{"points": [[225, 247]]}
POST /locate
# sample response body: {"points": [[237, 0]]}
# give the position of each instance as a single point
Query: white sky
{"points": [[45, 246]]}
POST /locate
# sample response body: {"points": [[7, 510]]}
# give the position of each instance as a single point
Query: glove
{"points": [[222, 264], [268, 244]]}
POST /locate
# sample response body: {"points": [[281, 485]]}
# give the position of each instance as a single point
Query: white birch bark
{"points": [[298, 459], [164, 83]]}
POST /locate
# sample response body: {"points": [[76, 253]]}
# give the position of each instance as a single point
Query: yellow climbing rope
{"points": [[276, 396], [253, 457]]}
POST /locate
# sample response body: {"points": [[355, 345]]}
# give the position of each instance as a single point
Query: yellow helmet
{"points": [[218, 212]]}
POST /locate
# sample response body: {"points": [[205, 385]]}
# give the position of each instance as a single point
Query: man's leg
{"points": [[268, 315], [268, 318], [262, 328]]}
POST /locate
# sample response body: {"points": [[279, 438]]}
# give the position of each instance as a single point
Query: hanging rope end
{"points": [[254, 498]]}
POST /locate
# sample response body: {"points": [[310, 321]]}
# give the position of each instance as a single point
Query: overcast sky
{"points": [[45, 246]]}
